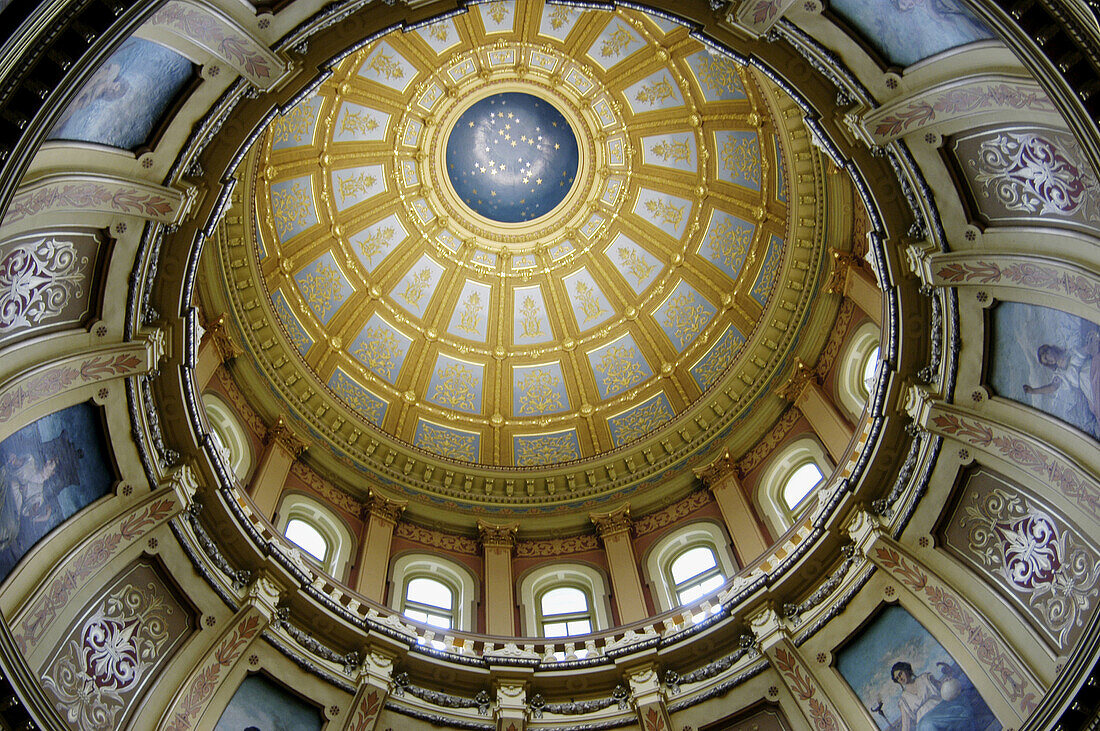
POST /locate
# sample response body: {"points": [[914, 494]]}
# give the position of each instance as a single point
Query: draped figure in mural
{"points": [[1079, 368], [928, 703]]}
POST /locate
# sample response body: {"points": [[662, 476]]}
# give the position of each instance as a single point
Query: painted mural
{"points": [[908, 682], [1047, 359], [262, 705], [126, 97], [48, 471], [907, 31]]}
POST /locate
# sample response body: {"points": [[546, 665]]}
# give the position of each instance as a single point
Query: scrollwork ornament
{"points": [[38, 280]]}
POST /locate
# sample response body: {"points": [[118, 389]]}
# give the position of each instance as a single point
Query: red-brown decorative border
{"points": [[1035, 276], [59, 378], [805, 689]]}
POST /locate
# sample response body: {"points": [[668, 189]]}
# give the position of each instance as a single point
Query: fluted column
{"points": [[497, 542], [215, 349], [746, 532], [810, 398], [281, 449], [853, 280], [614, 530], [374, 550]]}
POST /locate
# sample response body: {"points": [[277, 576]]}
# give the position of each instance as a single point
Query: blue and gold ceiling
{"points": [[528, 235]]}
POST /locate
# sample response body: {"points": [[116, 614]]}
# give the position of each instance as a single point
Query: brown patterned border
{"points": [[1036, 276], [805, 689], [62, 377]]}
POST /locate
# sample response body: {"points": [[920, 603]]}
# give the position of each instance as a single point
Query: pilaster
{"points": [[374, 549], [721, 477], [807, 395], [614, 530], [497, 544], [375, 683], [280, 451]]}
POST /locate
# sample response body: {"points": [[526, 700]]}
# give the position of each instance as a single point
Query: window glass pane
{"points": [[564, 600], [800, 483], [691, 593], [691, 563], [710, 584], [869, 369], [439, 621], [554, 629], [416, 614], [429, 591], [308, 538], [580, 627]]}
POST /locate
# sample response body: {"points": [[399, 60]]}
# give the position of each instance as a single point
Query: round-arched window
{"points": [[695, 573], [801, 483], [308, 538], [564, 611], [429, 601]]}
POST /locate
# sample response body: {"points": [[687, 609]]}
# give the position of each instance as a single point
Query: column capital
{"points": [[802, 377], [379, 506], [217, 332], [717, 471], [613, 522], [842, 262], [264, 594], [279, 432], [498, 536]]}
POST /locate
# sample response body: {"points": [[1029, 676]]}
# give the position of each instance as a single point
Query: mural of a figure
{"points": [[126, 97], [907, 681], [260, 704], [49, 470], [908, 31], [1047, 359]]}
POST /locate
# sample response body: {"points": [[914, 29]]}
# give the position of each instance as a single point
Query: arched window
{"points": [[433, 590], [800, 484], [564, 600], [694, 573], [318, 532], [564, 611], [858, 367], [689, 563], [790, 481], [430, 601], [228, 435], [308, 538]]}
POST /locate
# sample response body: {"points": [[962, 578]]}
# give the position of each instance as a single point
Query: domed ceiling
{"points": [[526, 236]]}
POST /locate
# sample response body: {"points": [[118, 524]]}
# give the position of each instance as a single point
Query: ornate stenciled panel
{"points": [[115, 647], [1020, 175], [47, 281], [1029, 551]]}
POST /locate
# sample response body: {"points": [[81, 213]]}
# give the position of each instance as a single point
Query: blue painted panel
{"points": [[543, 449], [906, 31]]}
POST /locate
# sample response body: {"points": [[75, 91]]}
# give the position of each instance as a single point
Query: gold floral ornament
{"points": [[447, 443], [718, 360], [356, 122], [634, 264], [354, 396], [549, 449], [471, 314], [290, 207], [656, 92], [619, 369], [589, 303], [456, 387], [438, 31], [559, 16], [360, 184], [321, 289], [672, 150], [374, 244], [719, 73], [614, 44], [529, 318], [741, 156], [729, 243], [642, 421], [686, 317], [498, 11], [293, 125], [540, 392], [377, 351], [416, 287], [385, 65], [665, 211]]}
